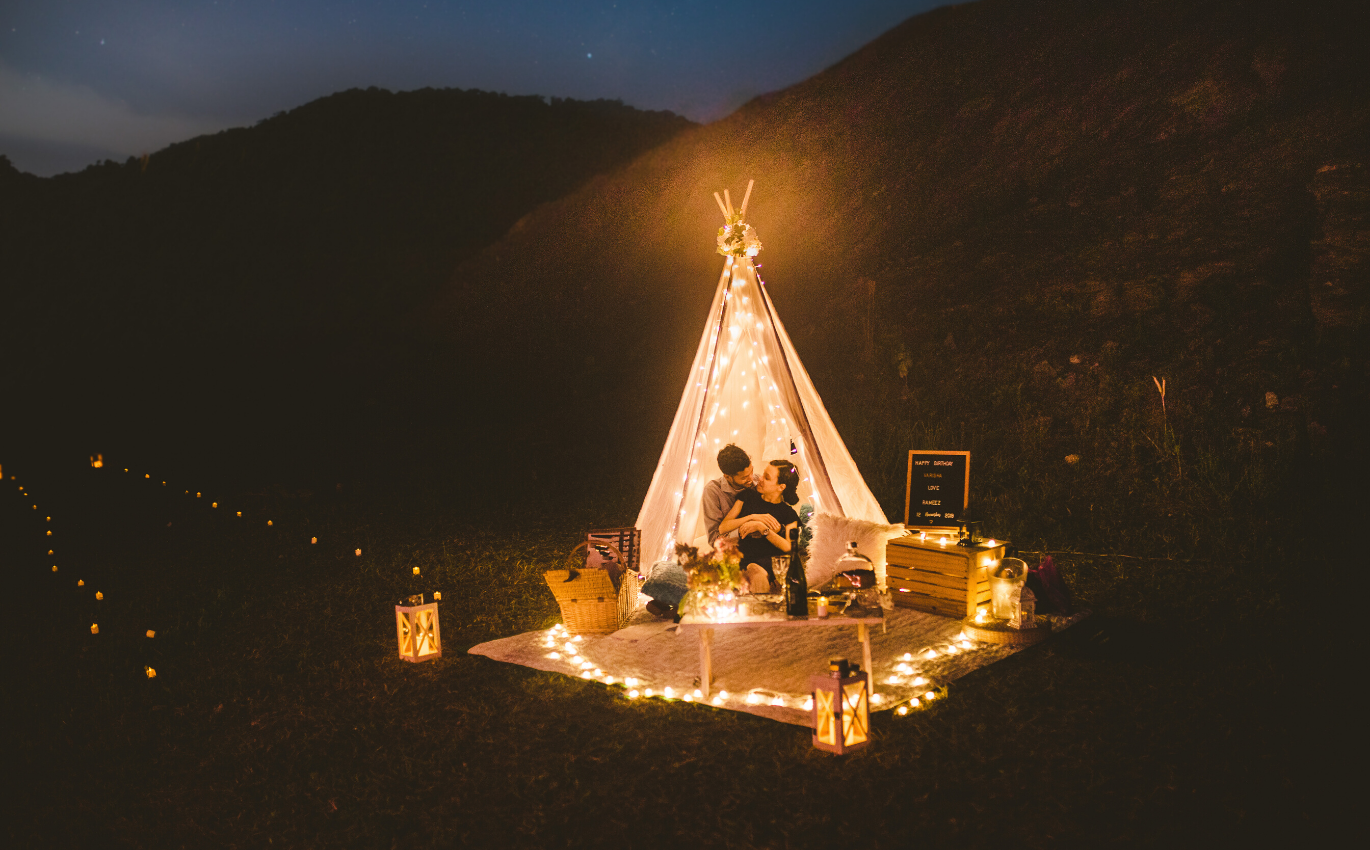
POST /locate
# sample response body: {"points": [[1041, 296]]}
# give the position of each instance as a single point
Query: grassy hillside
{"points": [[989, 230]]}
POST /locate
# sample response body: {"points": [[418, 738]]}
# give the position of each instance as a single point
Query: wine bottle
{"points": [[796, 583]]}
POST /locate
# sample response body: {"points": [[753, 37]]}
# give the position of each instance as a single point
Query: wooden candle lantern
{"points": [[416, 629], [841, 709]]}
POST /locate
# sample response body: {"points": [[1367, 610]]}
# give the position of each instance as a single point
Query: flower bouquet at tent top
{"points": [[714, 580], [598, 590]]}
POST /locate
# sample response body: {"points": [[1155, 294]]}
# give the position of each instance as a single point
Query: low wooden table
{"points": [[705, 628]]}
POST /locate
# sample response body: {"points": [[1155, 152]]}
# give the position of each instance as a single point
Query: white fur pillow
{"points": [[831, 534]]}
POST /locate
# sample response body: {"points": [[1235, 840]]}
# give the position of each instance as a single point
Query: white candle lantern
{"points": [[1024, 609], [416, 629], [841, 709]]}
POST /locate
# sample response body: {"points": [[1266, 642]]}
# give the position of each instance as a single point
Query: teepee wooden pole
{"points": [[728, 198], [721, 208], [742, 213]]}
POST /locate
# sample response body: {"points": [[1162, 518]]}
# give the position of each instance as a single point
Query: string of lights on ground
{"points": [[98, 462], [568, 649]]}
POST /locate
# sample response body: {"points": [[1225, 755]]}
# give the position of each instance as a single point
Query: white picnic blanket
{"points": [[764, 671]]}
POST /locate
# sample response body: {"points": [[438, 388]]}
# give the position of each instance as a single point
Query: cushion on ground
{"points": [[831, 534], [666, 584]]}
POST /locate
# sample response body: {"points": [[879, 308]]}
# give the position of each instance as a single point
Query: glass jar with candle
{"points": [[1011, 573]]}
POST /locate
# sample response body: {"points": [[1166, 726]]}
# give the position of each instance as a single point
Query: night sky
{"points": [[85, 80]]}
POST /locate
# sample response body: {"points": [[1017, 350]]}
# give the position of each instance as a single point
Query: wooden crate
{"points": [[950, 580]]}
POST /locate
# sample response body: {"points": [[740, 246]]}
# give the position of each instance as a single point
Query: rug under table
{"points": [[762, 671]]}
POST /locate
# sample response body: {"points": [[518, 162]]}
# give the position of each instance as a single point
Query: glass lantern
{"points": [[841, 709], [416, 629]]}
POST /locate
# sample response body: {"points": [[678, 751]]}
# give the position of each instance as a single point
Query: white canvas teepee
{"points": [[747, 387]]}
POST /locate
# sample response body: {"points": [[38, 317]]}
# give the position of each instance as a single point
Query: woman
{"points": [[764, 517]]}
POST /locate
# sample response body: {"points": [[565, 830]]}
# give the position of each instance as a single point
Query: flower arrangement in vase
{"points": [[714, 581]]}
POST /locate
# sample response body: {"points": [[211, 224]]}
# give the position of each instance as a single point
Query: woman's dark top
{"points": [[757, 549]]}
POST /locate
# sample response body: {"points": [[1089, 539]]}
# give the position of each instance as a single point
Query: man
{"points": [[720, 493]]}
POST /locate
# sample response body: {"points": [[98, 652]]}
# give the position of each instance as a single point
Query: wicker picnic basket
{"points": [[589, 602]]}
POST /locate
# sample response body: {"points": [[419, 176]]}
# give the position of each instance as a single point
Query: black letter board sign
{"points": [[938, 489]]}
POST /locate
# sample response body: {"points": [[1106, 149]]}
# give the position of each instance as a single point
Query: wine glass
{"points": [[779, 566]]}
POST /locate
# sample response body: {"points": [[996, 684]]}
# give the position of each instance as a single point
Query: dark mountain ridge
{"points": [[243, 289]]}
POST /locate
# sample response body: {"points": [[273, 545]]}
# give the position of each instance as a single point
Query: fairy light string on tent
{"points": [[746, 386]]}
